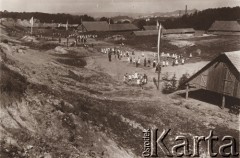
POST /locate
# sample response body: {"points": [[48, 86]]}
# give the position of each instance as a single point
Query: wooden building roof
{"points": [[178, 31], [225, 26], [150, 27], [123, 27], [95, 25], [145, 33]]}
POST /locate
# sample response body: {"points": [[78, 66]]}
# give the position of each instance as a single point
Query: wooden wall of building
{"points": [[218, 78]]}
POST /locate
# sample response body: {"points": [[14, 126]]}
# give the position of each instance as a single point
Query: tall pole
{"points": [[31, 29], [158, 46]]}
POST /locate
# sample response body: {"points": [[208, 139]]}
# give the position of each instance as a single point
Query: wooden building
{"points": [[88, 26], [225, 28], [221, 75], [103, 26], [146, 33], [164, 32], [179, 31], [150, 27], [122, 27]]}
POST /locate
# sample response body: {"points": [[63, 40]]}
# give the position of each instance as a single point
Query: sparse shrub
{"points": [[183, 79], [5, 41], [12, 82], [165, 76], [170, 86], [187, 107]]}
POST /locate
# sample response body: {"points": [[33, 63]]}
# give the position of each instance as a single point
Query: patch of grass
{"points": [[41, 46], [80, 62], [11, 82]]}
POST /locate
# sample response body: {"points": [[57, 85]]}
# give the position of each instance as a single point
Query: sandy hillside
{"points": [[71, 102]]}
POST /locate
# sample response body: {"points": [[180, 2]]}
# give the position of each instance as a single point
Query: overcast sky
{"points": [[133, 6]]}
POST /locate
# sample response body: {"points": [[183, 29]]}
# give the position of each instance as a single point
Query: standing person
{"points": [[121, 55], [76, 40], [138, 62], [130, 60], [109, 56], [134, 60], [125, 78], [190, 55], [176, 62], [135, 75], [145, 79], [167, 64], [59, 39], [127, 54], [149, 62], [154, 63], [163, 63], [129, 77], [183, 61], [67, 41], [118, 55], [145, 62]]}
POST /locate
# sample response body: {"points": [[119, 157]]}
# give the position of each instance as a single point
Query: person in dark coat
{"points": [[109, 56], [154, 64]]}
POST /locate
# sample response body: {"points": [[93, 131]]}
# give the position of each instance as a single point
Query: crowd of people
{"points": [[167, 59]]}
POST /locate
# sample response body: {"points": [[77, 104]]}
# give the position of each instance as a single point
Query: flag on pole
{"points": [[31, 22], [67, 26], [158, 24]]}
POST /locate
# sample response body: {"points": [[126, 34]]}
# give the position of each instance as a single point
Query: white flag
{"points": [[31, 21], [67, 26], [158, 24]]}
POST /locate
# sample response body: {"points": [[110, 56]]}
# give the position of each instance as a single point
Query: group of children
{"points": [[117, 53], [139, 79]]}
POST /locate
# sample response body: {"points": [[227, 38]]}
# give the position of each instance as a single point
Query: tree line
{"points": [[202, 20], [47, 18]]}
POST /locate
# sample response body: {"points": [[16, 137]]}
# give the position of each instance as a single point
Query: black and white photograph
{"points": [[119, 78]]}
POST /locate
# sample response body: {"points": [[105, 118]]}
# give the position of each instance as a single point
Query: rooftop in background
{"points": [[225, 26], [178, 31], [123, 27], [150, 27], [95, 25]]}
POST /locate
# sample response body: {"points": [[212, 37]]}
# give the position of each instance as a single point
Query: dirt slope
{"points": [[56, 104]]}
